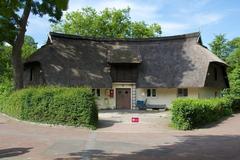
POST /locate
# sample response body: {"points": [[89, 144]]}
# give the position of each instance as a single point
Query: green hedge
{"points": [[54, 105], [6, 88], [193, 113], [235, 103]]}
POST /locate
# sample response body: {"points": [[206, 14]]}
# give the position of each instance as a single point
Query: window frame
{"points": [[151, 92], [182, 92], [96, 92]]}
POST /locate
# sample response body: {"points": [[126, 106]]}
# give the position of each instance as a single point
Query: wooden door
{"points": [[123, 98]]}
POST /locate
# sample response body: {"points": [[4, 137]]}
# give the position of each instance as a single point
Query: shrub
{"points": [[234, 98], [235, 103], [192, 113], [6, 89], [54, 105]]}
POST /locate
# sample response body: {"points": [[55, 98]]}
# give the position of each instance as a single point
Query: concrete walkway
{"points": [[118, 138]]}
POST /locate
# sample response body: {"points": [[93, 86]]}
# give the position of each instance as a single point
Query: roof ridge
{"points": [[174, 37]]}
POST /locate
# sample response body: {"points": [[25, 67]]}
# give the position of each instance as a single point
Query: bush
{"points": [[193, 113], [6, 89], [235, 99], [235, 103], [54, 105]]}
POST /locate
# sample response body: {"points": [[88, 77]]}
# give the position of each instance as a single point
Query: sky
{"points": [[210, 17]]}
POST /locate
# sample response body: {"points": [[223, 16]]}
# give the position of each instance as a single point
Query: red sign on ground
{"points": [[135, 119]]}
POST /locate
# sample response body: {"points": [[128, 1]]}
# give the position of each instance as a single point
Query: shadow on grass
{"points": [[188, 148], [11, 152]]}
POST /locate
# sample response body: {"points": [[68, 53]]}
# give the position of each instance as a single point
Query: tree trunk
{"points": [[17, 47]]}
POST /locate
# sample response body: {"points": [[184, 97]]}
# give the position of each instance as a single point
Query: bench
{"points": [[143, 105]]}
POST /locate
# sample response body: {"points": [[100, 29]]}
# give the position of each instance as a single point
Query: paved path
{"points": [[118, 138]]}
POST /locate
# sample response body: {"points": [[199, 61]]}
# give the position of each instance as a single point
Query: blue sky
{"points": [[210, 17]]}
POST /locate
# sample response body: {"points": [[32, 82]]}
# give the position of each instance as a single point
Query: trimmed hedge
{"points": [[235, 103], [192, 113], [6, 88], [54, 105]]}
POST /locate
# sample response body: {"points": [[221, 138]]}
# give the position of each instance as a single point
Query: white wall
{"points": [[164, 95], [106, 102], [208, 92]]}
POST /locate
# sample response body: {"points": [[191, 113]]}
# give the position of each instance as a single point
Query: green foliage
{"points": [[143, 30], [110, 23], [10, 20], [54, 105], [220, 46], [230, 51], [193, 113], [235, 43], [234, 78], [5, 63], [29, 47], [233, 59], [6, 88], [14, 17]]}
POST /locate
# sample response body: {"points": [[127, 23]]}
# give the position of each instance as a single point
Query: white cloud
{"points": [[207, 18], [170, 28]]}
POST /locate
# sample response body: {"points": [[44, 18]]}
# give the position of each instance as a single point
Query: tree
{"points": [[28, 48], [5, 63], [109, 23], [234, 79], [220, 46], [235, 43], [14, 16], [229, 51], [233, 60]]}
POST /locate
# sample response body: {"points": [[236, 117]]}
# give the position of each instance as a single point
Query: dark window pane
{"points": [[93, 91], [182, 92], [98, 92], [185, 92], [179, 94], [148, 92], [154, 92]]}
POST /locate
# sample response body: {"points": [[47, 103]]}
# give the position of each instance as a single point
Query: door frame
{"points": [[130, 88]]}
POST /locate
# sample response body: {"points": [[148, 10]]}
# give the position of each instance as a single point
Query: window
{"points": [[96, 92], [151, 93], [31, 74], [215, 74], [148, 92], [182, 92], [124, 73]]}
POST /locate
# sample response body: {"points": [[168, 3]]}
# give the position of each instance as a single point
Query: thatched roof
{"points": [[123, 55], [174, 61]]}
